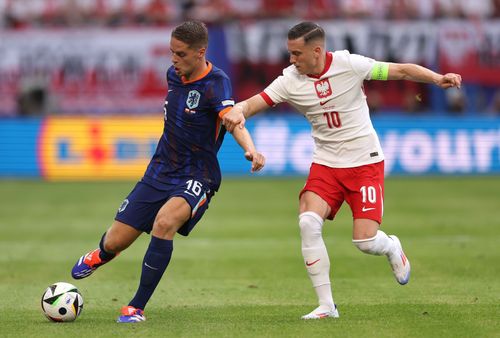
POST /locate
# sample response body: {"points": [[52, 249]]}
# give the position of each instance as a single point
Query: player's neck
{"points": [[320, 67], [324, 63], [198, 71]]}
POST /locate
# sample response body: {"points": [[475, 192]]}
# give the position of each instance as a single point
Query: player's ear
{"points": [[201, 52], [317, 51]]}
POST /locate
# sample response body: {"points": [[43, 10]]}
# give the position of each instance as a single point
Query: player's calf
{"points": [[381, 244]]}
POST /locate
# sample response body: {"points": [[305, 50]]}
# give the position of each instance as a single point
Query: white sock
{"points": [[380, 244], [316, 256], [325, 298]]}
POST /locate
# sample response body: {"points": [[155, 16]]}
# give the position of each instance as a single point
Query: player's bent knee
{"points": [[310, 224], [165, 227]]}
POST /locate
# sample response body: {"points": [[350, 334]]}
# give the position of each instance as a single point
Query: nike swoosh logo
{"points": [[149, 266], [367, 209], [312, 263], [324, 102]]}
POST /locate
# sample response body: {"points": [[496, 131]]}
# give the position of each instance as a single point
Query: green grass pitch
{"points": [[240, 273]]}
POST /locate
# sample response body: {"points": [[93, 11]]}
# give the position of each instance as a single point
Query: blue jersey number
{"points": [[194, 186], [165, 109]]}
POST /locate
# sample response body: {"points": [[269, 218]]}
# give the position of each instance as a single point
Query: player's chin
{"points": [[178, 71], [300, 70]]}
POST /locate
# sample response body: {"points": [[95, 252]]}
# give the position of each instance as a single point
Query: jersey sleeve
{"points": [[221, 95], [276, 92], [362, 65]]}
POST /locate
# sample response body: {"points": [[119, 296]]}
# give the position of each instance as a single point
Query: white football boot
{"points": [[399, 262], [322, 311]]}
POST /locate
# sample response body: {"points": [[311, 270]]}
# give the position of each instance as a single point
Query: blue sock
{"points": [[154, 264], [104, 255]]}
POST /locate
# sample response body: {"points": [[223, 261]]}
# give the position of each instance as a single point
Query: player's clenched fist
{"points": [[450, 80], [258, 160]]}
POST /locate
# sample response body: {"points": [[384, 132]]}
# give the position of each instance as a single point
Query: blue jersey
{"points": [[193, 131]]}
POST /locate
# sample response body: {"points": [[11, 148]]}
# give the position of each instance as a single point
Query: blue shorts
{"points": [[140, 207]]}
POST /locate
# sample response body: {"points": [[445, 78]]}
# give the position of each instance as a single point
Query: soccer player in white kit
{"points": [[348, 162]]}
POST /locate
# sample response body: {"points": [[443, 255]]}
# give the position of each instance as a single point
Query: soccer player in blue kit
{"points": [[183, 174]]}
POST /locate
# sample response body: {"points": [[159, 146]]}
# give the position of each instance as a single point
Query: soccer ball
{"points": [[62, 302]]}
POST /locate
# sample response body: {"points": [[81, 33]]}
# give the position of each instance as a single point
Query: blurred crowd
{"points": [[18, 14], [413, 98]]}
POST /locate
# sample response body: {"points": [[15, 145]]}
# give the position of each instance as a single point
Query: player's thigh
{"points": [[171, 217], [120, 236], [322, 191], [197, 195], [364, 228], [310, 201], [141, 206], [184, 207]]}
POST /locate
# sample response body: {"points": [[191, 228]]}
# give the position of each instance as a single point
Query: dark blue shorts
{"points": [[140, 207]]}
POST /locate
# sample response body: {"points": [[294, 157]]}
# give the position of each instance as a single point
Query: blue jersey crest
{"points": [[193, 99]]}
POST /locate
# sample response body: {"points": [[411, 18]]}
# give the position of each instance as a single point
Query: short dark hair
{"points": [[192, 33], [307, 29]]}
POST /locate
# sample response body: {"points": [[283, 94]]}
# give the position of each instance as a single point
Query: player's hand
{"points": [[449, 80], [234, 118], [258, 160]]}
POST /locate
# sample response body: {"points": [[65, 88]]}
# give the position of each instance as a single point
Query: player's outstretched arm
{"points": [[237, 115], [242, 136], [413, 72]]}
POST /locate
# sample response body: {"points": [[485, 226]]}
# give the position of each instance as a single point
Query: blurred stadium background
{"points": [[82, 81], [82, 84]]}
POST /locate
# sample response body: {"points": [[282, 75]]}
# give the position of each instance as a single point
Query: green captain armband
{"points": [[380, 71]]}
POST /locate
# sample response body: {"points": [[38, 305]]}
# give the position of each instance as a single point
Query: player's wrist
{"points": [[437, 79], [242, 107]]}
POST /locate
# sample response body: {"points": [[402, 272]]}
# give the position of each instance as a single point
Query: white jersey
{"points": [[335, 105]]}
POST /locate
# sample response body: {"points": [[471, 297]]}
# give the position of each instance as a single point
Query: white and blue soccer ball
{"points": [[62, 302]]}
